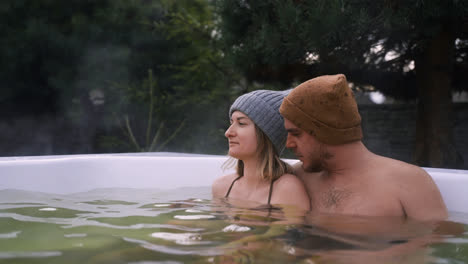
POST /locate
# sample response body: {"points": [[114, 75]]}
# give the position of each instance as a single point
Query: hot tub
{"points": [[79, 173], [157, 208]]}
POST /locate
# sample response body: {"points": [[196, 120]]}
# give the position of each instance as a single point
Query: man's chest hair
{"points": [[332, 197]]}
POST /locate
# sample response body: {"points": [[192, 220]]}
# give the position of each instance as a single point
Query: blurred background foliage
{"points": [[159, 75], [83, 67]]}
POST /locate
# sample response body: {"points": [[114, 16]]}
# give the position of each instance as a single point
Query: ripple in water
{"points": [[193, 217], [180, 238]]}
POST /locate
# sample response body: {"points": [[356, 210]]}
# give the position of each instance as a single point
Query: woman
{"points": [[256, 138]]}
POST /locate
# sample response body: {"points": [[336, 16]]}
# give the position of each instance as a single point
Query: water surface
{"points": [[186, 226]]}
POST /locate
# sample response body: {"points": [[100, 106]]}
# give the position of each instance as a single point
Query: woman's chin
{"points": [[233, 154], [243, 156]]}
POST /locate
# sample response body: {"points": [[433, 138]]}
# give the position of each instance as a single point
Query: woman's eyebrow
{"points": [[241, 117]]}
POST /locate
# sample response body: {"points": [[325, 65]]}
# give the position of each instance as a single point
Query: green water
{"points": [[185, 226]]}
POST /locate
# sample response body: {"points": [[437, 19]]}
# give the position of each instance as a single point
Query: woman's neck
{"points": [[251, 177]]}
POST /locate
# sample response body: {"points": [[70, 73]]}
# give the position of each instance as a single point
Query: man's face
{"points": [[305, 147]]}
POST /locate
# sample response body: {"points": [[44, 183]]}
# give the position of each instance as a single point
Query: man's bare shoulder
{"points": [[408, 176], [415, 188], [221, 184], [401, 171]]}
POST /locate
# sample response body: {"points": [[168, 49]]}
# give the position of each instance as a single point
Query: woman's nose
{"points": [[229, 132]]}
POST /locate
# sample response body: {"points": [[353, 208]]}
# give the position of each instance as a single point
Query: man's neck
{"points": [[346, 159]]}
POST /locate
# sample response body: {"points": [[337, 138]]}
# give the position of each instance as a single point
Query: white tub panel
{"points": [[69, 174], [79, 173]]}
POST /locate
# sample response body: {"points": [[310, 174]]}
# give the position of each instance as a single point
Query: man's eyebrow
{"points": [[292, 130]]}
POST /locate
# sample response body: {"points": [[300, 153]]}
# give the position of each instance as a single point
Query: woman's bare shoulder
{"points": [[289, 179], [289, 189], [289, 182], [221, 184]]}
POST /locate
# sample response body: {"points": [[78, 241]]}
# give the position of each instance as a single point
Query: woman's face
{"points": [[241, 136]]}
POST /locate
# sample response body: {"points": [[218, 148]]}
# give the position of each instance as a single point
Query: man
{"points": [[341, 175]]}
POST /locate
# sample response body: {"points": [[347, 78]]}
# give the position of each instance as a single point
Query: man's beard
{"points": [[321, 163], [314, 167]]}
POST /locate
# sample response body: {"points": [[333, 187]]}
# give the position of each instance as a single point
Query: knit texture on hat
{"points": [[324, 107], [262, 107]]}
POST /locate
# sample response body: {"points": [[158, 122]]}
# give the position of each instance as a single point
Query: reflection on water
{"points": [[185, 226]]}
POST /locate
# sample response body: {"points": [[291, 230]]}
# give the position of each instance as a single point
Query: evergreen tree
{"points": [[406, 49]]}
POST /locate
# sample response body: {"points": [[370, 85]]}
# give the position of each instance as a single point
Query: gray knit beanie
{"points": [[262, 106]]}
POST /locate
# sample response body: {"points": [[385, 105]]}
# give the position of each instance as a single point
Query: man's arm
{"points": [[420, 197]]}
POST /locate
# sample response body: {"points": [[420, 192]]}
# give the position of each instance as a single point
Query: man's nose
{"points": [[290, 143]]}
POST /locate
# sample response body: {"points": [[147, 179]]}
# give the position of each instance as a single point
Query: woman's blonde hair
{"points": [[270, 167]]}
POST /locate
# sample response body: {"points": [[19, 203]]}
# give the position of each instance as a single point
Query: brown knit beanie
{"points": [[324, 107]]}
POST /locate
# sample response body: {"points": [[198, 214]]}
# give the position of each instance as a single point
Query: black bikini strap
{"points": [[230, 187], [271, 190]]}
